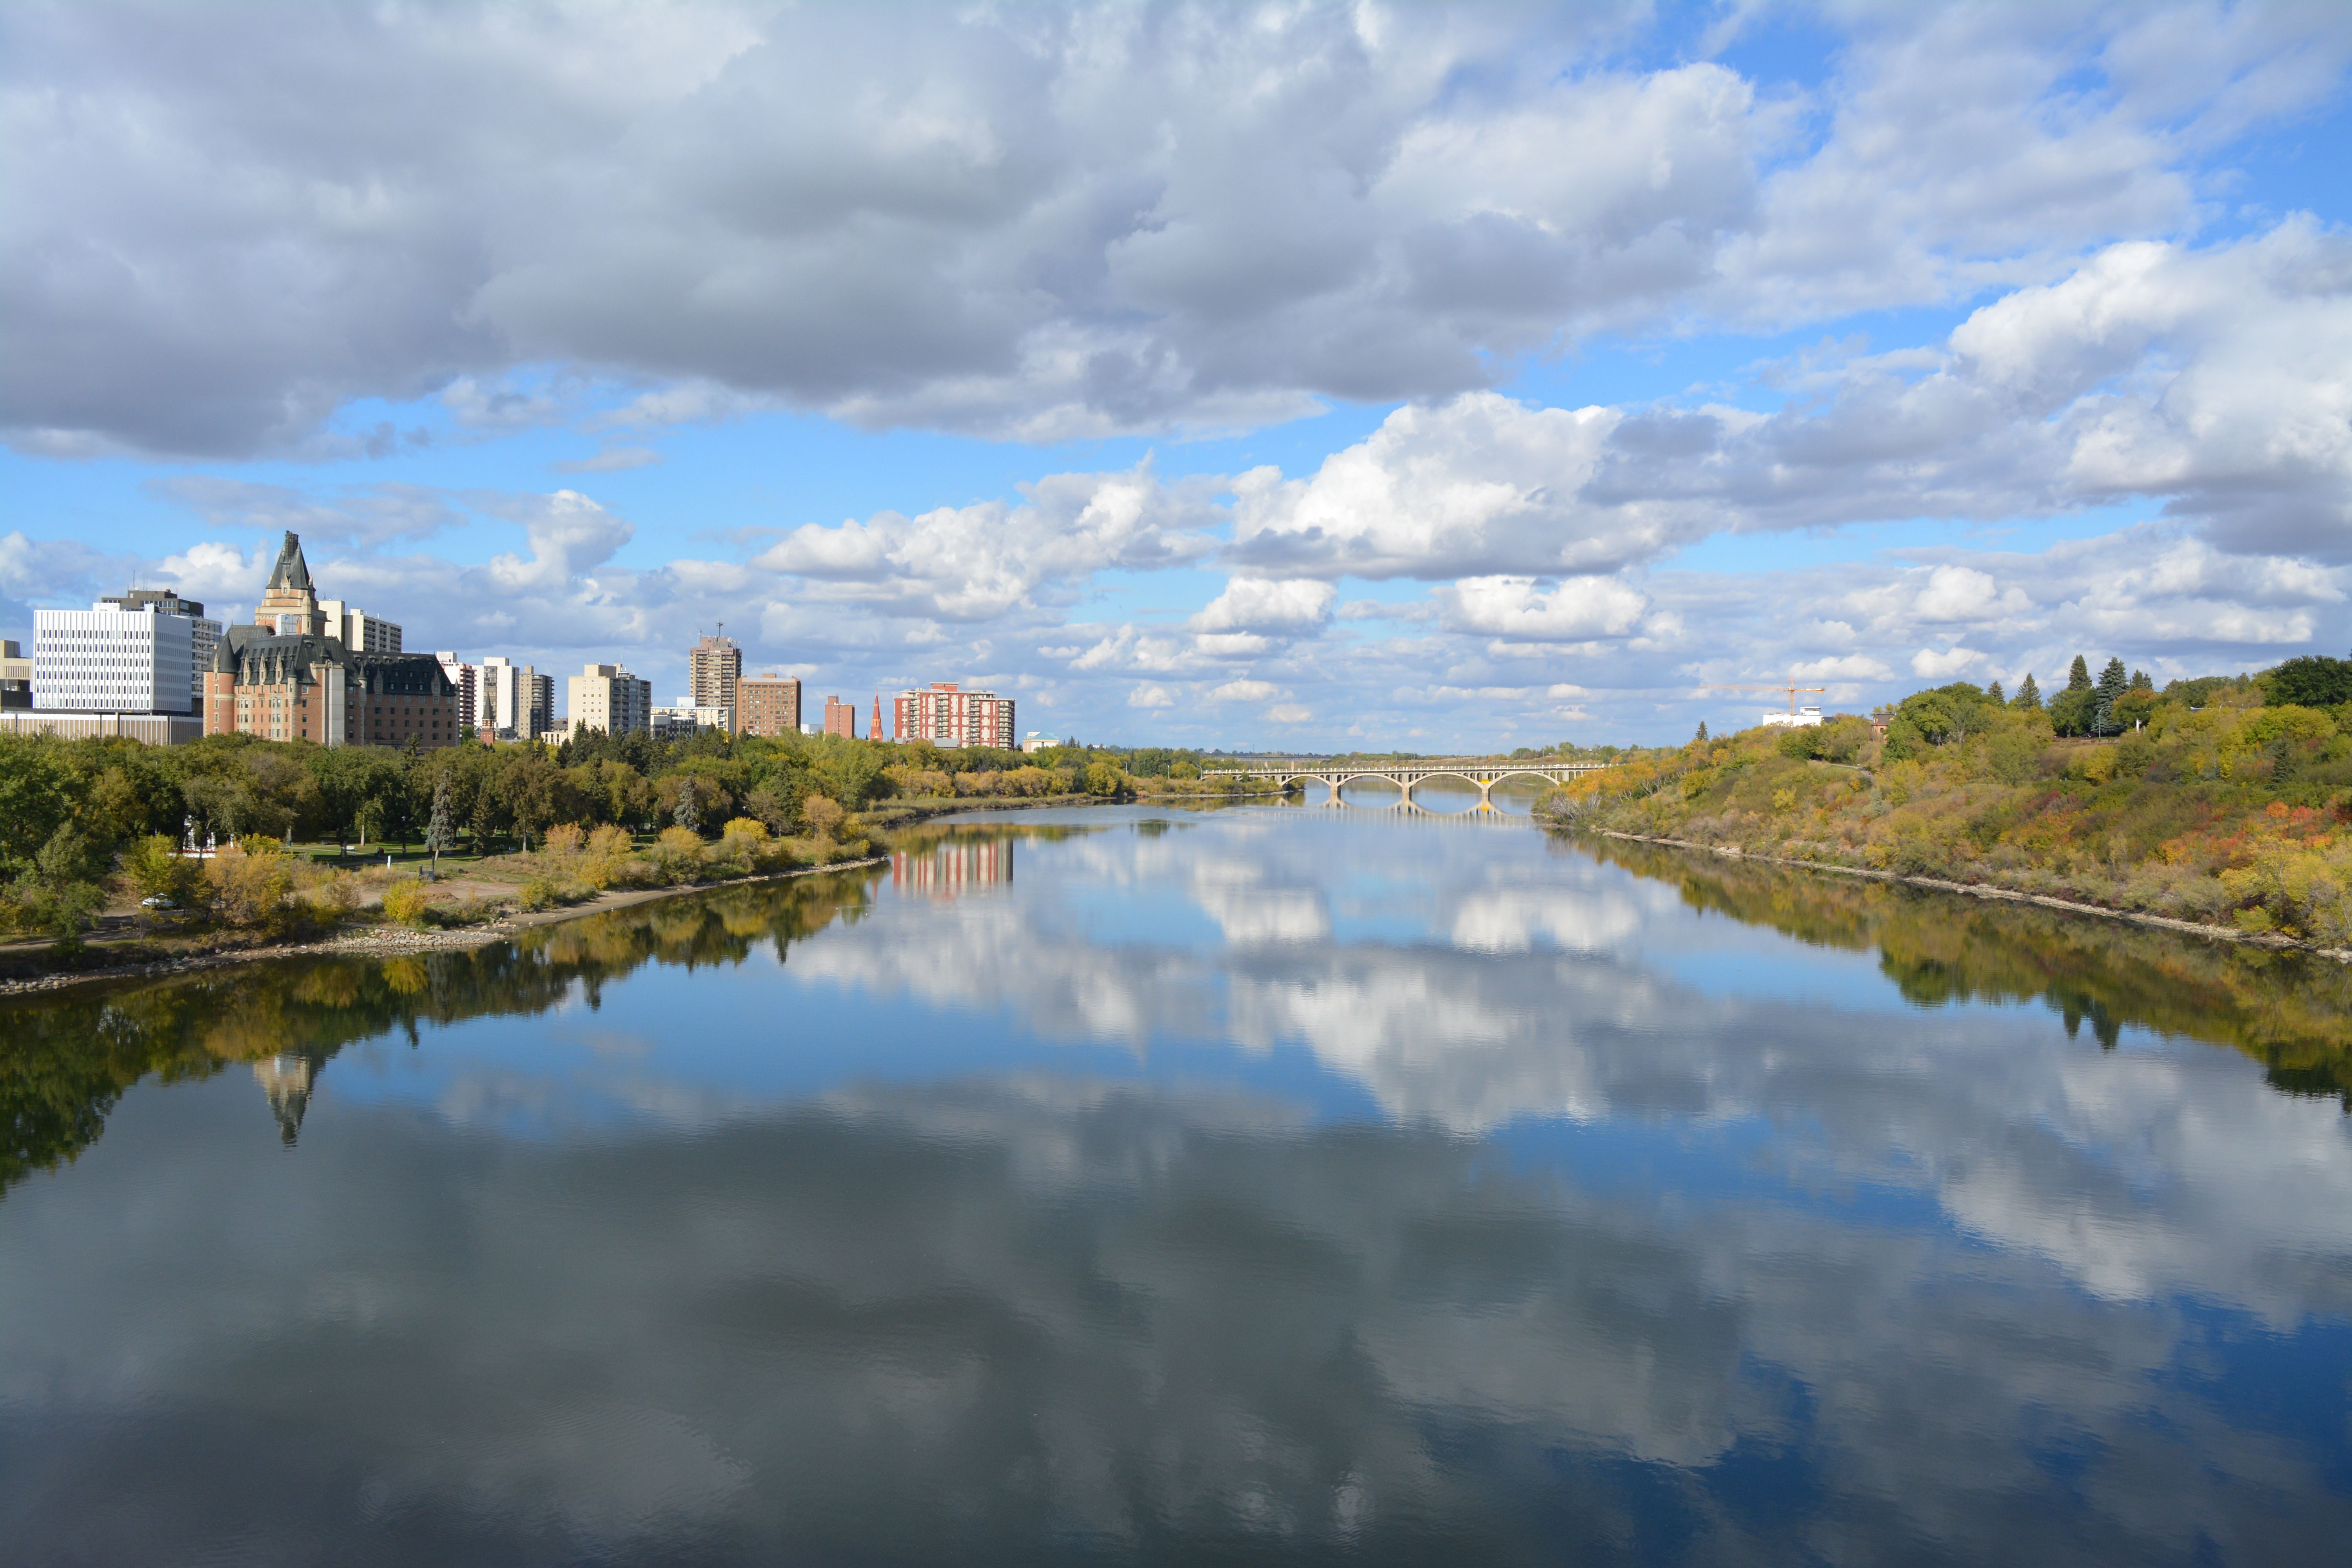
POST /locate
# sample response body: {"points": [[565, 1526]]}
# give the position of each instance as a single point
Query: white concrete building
{"points": [[682, 720], [205, 634], [107, 659], [608, 698]]}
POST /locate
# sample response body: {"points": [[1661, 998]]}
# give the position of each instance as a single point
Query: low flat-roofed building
{"points": [[155, 729], [684, 721]]}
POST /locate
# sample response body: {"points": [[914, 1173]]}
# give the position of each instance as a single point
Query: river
{"points": [[1132, 1184]]}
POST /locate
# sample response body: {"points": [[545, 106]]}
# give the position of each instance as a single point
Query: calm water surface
{"points": [[1262, 1185]]}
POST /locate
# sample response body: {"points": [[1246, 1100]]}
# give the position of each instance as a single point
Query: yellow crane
{"points": [[1791, 688]]}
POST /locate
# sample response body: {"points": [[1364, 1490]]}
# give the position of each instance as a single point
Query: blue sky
{"points": [[1258, 376]]}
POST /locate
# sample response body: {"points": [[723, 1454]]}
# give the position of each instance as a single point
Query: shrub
{"points": [[821, 815], [249, 884], [562, 840], [157, 870], [407, 902]]}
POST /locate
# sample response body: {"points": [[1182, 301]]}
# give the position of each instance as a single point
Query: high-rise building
{"points": [[840, 718], [358, 630], [606, 697], [204, 635], [466, 679], [511, 700], [768, 705], [106, 660], [714, 665], [946, 715]]}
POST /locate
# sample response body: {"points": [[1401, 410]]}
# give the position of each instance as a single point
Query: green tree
{"points": [[688, 812], [2113, 682], [441, 827], [1702, 731], [34, 799], [2073, 711], [2029, 696], [2313, 681]]}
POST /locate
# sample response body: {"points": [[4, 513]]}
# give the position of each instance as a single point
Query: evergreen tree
{"points": [[2113, 682], [2029, 696], [1702, 731], [441, 831], [2078, 678], [2140, 682], [1996, 693], [688, 813]]}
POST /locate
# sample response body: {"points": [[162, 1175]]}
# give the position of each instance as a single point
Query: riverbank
{"points": [[2270, 939], [393, 942]]}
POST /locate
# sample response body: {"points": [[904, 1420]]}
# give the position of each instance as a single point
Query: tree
{"points": [[35, 799], [441, 829], [2029, 696], [2113, 682], [1702, 731], [2313, 681], [2073, 711], [688, 813], [1996, 693]]}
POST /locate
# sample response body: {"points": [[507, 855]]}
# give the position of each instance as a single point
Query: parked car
{"points": [[158, 903]]}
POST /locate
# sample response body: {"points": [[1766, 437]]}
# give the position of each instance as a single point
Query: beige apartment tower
{"points": [[768, 705], [714, 667], [606, 697]]}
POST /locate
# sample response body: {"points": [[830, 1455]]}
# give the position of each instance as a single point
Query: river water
{"points": [[1131, 1185]]}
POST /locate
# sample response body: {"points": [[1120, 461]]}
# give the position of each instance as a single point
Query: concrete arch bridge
{"points": [[1482, 773]]}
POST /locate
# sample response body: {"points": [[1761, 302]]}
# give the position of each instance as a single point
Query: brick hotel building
{"points": [[291, 676]]}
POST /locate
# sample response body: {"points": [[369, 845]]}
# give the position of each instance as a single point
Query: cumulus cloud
{"points": [[983, 560], [1577, 610], [1258, 605], [228, 224]]}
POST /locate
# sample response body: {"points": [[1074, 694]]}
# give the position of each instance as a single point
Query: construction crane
{"points": [[1791, 688]]}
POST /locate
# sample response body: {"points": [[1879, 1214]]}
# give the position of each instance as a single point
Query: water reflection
{"points": [[1260, 1184]]}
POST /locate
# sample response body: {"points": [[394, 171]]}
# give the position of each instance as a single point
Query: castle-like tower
{"points": [[289, 606]]}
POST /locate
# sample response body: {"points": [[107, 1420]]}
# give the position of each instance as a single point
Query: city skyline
{"points": [[1336, 376]]}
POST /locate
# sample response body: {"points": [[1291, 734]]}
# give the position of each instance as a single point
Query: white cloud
{"points": [[1289, 713], [1259, 605], [1577, 610], [1244, 691], [1478, 485], [989, 559], [1150, 697], [1931, 664]]}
